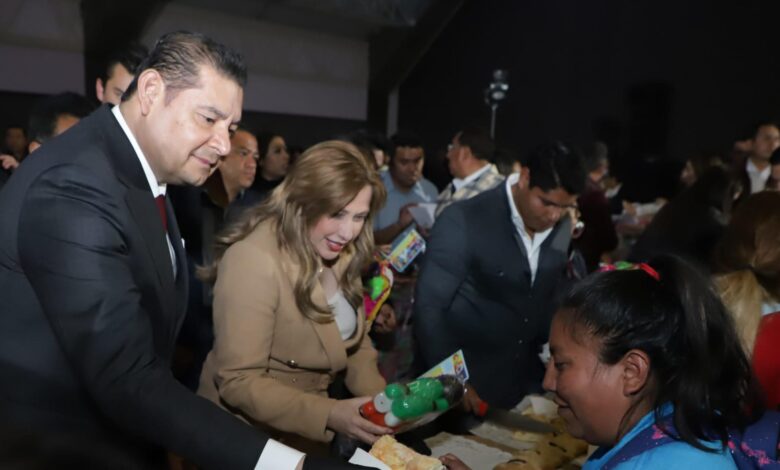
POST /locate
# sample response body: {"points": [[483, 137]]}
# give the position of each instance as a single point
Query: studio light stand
{"points": [[494, 94]]}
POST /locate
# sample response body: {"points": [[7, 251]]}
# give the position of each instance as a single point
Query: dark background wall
{"points": [[652, 78], [297, 130]]}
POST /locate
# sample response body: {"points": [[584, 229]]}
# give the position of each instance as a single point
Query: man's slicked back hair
{"points": [[178, 57]]}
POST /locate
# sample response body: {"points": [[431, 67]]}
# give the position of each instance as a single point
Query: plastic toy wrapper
{"points": [[404, 407], [405, 249], [453, 365], [377, 289]]}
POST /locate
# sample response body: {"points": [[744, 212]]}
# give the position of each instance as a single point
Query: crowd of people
{"points": [[181, 290]]}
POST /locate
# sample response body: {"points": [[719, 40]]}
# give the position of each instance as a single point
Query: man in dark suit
{"points": [[490, 274], [94, 276]]}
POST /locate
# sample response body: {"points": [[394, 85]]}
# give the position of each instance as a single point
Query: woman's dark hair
{"points": [[264, 139], [692, 223], [697, 361]]}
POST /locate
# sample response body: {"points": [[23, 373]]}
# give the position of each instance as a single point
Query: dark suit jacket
{"points": [[90, 307], [474, 293]]}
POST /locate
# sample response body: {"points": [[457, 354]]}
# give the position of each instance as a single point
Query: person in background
{"points": [[691, 224], [598, 238], [697, 165], [118, 72], [405, 187], [288, 303], [490, 274], [507, 161], [377, 145], [272, 166], [774, 177], [202, 212], [14, 142], [49, 117], [12, 151], [751, 162], [468, 159], [53, 115], [747, 274]]}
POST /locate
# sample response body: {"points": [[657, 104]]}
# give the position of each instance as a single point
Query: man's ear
{"points": [[150, 89], [636, 371], [525, 178], [99, 89]]}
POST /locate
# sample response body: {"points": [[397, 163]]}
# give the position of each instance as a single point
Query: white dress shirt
{"points": [[758, 178], [533, 245], [275, 454], [344, 314]]}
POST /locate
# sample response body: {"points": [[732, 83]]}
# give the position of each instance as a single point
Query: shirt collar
{"points": [[752, 169], [157, 188], [458, 183]]}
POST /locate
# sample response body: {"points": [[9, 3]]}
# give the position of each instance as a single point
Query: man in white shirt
{"points": [[95, 276], [765, 141], [468, 157], [490, 274]]}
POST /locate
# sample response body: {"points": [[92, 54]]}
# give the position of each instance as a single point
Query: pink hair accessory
{"points": [[626, 266]]}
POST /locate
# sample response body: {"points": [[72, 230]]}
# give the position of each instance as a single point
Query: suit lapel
{"points": [[556, 245], [505, 215], [147, 217], [140, 201], [329, 335]]}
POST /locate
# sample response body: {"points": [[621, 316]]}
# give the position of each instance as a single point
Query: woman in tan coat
{"points": [[288, 314]]}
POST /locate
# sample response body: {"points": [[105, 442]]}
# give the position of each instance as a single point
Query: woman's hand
{"points": [[345, 418], [453, 463]]}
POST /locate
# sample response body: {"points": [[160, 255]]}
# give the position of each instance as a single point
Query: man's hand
{"points": [[8, 162], [405, 216], [471, 400], [453, 463]]}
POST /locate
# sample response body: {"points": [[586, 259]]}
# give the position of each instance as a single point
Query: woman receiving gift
{"points": [[288, 312]]}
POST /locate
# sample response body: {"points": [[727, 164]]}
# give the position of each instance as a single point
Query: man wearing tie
{"points": [[94, 276]]}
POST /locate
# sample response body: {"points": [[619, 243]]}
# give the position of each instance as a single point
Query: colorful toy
{"points": [[377, 289], [403, 407]]}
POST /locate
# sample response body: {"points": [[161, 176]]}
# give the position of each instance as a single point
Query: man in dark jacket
{"points": [[490, 274]]}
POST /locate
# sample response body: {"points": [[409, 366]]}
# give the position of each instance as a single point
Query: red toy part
{"points": [[482, 409]]}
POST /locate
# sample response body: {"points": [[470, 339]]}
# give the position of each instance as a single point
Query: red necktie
{"points": [[160, 200]]}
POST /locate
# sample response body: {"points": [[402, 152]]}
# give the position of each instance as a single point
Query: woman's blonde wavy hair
{"points": [[323, 180], [747, 262]]}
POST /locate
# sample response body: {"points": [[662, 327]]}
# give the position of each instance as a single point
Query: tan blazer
{"points": [[270, 365]]}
